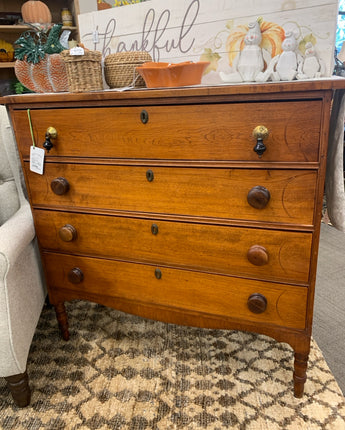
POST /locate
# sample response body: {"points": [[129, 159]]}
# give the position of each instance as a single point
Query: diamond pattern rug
{"points": [[123, 372]]}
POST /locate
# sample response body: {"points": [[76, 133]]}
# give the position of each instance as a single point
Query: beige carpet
{"points": [[329, 309], [123, 372]]}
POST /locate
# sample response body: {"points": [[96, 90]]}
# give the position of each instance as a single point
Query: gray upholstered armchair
{"points": [[22, 291]]}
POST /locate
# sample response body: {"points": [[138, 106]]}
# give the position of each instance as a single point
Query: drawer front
{"points": [[190, 132], [261, 254], [220, 193], [178, 289]]}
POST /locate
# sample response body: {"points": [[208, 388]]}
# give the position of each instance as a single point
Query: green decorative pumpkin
{"points": [[46, 76], [39, 66]]}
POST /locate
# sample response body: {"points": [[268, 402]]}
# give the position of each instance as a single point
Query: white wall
{"points": [[87, 6]]}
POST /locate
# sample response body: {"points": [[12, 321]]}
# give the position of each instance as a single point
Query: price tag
{"points": [[77, 50], [36, 159], [95, 37]]}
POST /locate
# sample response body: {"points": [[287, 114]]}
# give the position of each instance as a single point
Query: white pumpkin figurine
{"points": [[283, 67], [250, 61], [311, 66]]}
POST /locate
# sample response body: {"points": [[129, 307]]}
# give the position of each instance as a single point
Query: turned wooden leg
{"points": [[300, 373], [62, 318], [19, 387]]}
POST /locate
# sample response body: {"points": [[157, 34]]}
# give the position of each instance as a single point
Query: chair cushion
{"points": [[5, 169], [9, 200]]}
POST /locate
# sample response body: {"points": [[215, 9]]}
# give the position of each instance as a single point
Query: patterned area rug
{"points": [[123, 372]]}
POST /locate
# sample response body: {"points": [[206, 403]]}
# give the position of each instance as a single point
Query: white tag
{"points": [[36, 159], [95, 37], [77, 50]]}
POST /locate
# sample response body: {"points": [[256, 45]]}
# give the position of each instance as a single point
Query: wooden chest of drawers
{"points": [[160, 203]]}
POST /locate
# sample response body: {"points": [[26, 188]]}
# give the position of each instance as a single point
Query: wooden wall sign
{"points": [[184, 30]]}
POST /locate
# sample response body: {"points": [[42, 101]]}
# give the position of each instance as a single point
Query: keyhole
{"points": [[154, 229], [149, 175], [144, 116]]}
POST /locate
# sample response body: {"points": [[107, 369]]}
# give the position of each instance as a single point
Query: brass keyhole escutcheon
{"points": [[149, 175], [158, 273], [260, 133], [144, 116], [154, 229]]}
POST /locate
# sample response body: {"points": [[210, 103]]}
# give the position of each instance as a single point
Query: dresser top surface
{"points": [[273, 89]]}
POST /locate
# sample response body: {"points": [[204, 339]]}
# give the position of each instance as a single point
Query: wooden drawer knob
{"points": [[257, 303], [258, 197], [257, 255], [51, 133], [260, 133], [75, 275], [59, 186], [68, 233]]}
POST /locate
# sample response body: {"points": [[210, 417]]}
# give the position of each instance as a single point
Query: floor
{"points": [[329, 310]]}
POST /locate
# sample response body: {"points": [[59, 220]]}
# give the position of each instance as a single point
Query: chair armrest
{"points": [[16, 234]]}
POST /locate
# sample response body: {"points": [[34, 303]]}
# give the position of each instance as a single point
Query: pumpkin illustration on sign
{"points": [[39, 65], [250, 48], [272, 36]]}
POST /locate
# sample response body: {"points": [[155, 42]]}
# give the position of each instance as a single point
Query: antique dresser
{"points": [[197, 206]]}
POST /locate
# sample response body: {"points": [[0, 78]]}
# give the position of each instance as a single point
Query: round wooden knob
{"points": [[257, 303], [75, 275], [257, 255], [68, 233], [258, 197], [59, 186]]}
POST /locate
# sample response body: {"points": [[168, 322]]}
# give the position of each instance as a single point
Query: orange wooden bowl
{"points": [[158, 74]]}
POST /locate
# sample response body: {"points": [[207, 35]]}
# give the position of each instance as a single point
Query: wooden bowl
{"points": [[158, 74]]}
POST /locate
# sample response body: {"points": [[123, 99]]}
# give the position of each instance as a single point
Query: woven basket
{"points": [[84, 72], [119, 69]]}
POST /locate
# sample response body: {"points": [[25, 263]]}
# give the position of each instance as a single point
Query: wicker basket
{"points": [[84, 72], [119, 69]]}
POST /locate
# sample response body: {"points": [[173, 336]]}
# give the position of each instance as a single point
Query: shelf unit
{"points": [[10, 33]]}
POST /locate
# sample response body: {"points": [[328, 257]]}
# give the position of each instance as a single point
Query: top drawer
{"points": [[180, 132]]}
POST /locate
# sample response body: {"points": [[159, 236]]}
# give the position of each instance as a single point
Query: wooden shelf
{"points": [[22, 28], [6, 64], [12, 28], [10, 33]]}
